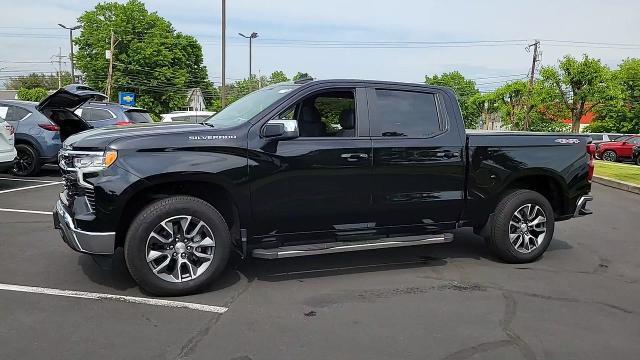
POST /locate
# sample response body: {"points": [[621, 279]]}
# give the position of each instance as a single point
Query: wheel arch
{"points": [[203, 186], [548, 183]]}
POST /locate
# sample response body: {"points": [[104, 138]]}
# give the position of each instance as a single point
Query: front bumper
{"points": [[6, 165], [95, 243]]}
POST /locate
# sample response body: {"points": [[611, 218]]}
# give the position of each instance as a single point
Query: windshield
{"points": [[249, 106], [622, 138]]}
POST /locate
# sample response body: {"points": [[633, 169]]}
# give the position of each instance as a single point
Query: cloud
{"points": [[362, 20]]}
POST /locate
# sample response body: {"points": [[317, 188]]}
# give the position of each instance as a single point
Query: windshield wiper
{"points": [[207, 124]]}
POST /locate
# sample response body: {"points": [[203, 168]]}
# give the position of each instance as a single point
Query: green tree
{"points": [[35, 94], [465, 89], [577, 86], [278, 77], [301, 75], [621, 114], [150, 58], [38, 80], [487, 105]]}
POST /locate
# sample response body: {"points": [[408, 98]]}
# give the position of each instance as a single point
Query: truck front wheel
{"points": [[522, 227], [177, 246]]}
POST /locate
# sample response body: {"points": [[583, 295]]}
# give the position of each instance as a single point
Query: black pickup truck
{"points": [[308, 168]]}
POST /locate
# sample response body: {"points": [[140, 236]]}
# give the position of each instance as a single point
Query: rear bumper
{"points": [[95, 243], [6, 165], [581, 206]]}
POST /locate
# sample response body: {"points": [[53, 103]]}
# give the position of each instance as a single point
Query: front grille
{"points": [[74, 190]]}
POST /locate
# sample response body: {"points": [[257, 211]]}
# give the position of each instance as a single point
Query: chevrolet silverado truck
{"points": [[313, 167]]}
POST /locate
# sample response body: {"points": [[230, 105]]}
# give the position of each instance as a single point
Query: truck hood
{"points": [[98, 139]]}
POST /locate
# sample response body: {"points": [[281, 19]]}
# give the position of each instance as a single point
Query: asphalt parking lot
{"points": [[449, 301]]}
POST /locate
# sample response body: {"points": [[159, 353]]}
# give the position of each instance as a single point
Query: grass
{"points": [[626, 173]]}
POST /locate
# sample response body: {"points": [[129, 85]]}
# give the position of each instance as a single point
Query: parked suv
{"points": [[40, 128], [99, 114], [7, 151], [621, 149]]}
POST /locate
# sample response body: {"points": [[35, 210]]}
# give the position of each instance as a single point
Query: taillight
{"points": [[10, 129], [123, 123], [50, 127], [591, 150]]}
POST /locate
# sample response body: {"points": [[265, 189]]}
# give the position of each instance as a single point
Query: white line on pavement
{"points": [[27, 180], [28, 211], [122, 298], [30, 187]]}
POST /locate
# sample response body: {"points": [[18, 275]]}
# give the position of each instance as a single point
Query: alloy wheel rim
{"points": [[527, 228], [23, 163], [180, 248], [608, 156]]}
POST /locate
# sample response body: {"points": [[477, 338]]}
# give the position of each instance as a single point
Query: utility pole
{"points": [[223, 93], [59, 56], [535, 46], [534, 62], [110, 74]]}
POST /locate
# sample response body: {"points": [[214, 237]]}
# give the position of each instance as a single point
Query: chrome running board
{"points": [[346, 246]]}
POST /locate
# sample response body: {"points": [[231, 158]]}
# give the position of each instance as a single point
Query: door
{"points": [[626, 148], [318, 183], [418, 167]]}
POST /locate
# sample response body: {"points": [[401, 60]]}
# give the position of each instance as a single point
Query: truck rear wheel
{"points": [[177, 246], [522, 227]]}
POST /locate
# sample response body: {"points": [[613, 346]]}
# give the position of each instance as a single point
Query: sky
{"points": [[401, 40]]}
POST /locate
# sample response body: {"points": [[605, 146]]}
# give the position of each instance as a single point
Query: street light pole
{"points": [[73, 77], [250, 37]]}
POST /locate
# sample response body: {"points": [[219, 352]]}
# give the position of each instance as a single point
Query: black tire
{"points": [[149, 218], [27, 162], [610, 155], [499, 241]]}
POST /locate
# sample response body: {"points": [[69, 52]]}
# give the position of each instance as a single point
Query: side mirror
{"points": [[281, 129]]}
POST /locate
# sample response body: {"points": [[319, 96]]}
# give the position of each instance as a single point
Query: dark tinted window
{"points": [[15, 113], [92, 114], [596, 137], [404, 113], [137, 116], [187, 118]]}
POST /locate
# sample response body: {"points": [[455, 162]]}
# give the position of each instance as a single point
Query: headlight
{"points": [[95, 161]]}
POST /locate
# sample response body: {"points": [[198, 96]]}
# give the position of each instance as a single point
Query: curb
{"points": [[617, 184]]}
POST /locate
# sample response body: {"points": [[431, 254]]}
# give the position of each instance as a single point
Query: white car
{"points": [[7, 151], [194, 117]]}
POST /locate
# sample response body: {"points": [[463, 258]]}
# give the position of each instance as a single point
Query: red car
{"points": [[621, 149]]}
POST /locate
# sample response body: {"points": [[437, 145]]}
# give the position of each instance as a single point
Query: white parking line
{"points": [[28, 211], [26, 180], [121, 298], [30, 187]]}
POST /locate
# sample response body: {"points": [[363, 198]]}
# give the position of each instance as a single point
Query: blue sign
{"points": [[127, 98]]}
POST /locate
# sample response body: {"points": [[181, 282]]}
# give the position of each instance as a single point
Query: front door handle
{"points": [[355, 156]]}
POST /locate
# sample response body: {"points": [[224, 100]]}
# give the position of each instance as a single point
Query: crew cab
{"points": [[618, 150], [313, 167]]}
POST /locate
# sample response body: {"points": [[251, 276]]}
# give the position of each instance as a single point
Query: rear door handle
{"points": [[355, 156], [448, 154]]}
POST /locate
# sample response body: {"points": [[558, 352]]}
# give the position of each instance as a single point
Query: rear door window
{"points": [[93, 114], [405, 114]]}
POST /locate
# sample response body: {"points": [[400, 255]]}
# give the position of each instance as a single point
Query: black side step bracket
{"points": [[346, 246]]}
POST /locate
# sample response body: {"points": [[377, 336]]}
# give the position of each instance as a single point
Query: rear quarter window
{"points": [[138, 116]]}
